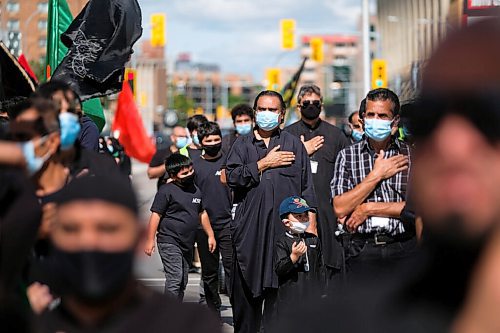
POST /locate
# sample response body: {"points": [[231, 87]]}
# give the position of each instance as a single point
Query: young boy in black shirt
{"points": [[216, 199], [176, 212], [298, 260]]}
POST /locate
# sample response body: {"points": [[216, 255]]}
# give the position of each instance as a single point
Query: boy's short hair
{"points": [[175, 163], [207, 129], [241, 110], [195, 121]]}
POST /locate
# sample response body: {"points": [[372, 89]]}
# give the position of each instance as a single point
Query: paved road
{"points": [[149, 269]]}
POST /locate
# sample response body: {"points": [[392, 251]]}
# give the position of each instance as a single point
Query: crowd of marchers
{"points": [[388, 226]]}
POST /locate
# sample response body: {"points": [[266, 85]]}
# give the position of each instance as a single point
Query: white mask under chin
{"points": [[299, 227]]}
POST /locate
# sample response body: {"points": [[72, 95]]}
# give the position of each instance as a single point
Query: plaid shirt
{"points": [[354, 163]]}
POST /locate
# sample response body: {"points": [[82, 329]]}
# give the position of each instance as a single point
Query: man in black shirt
{"points": [[156, 168], [95, 236], [242, 115], [263, 168], [323, 142], [216, 199]]}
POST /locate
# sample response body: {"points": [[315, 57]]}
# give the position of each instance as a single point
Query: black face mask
{"points": [[92, 276], [186, 181], [310, 112], [212, 150]]}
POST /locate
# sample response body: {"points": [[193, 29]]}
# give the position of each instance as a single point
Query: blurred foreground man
{"points": [[456, 183], [95, 235]]}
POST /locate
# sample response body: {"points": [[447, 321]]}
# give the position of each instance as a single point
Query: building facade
{"points": [[23, 26], [410, 31]]}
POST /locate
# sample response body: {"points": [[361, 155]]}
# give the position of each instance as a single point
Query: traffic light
{"points": [[287, 34], [317, 49], [379, 73], [158, 29], [273, 78], [130, 75]]}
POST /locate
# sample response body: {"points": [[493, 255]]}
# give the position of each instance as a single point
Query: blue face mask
{"points": [[378, 129], [267, 120], [70, 128], [243, 129], [33, 162], [357, 135], [181, 142], [196, 141]]}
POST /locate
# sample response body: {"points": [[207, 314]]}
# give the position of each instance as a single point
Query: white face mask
{"points": [[299, 227]]}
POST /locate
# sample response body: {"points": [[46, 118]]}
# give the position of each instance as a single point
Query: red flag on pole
{"points": [[128, 123], [24, 63]]}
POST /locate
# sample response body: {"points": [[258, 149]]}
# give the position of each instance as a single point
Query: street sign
{"points": [[287, 34], [317, 53], [379, 73], [273, 77], [158, 29]]}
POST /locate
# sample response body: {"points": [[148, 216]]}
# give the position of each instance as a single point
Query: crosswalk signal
{"points": [[273, 78], [287, 34], [317, 49], [158, 29], [379, 73]]}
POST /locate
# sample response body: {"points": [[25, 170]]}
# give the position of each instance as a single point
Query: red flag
{"points": [[24, 63], [128, 123]]}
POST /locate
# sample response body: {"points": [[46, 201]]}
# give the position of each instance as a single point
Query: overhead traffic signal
{"points": [[379, 73], [317, 49], [273, 77], [287, 34], [158, 29]]}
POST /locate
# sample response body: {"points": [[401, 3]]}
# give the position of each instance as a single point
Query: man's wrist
{"points": [[262, 164], [294, 258]]}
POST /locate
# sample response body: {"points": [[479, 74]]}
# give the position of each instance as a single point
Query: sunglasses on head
{"points": [[481, 110], [316, 103]]}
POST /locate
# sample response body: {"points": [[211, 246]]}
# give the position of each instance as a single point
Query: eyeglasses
{"points": [[306, 103], [482, 110]]}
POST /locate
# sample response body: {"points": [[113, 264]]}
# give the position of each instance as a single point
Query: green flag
{"points": [[59, 19]]}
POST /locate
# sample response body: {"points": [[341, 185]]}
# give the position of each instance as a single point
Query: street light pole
{"points": [[365, 27]]}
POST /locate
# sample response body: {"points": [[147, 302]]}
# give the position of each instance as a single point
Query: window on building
{"points": [[13, 25], [42, 42], [12, 6], [42, 24], [43, 7]]}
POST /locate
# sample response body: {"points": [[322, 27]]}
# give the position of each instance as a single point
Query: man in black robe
{"points": [[322, 141], [263, 168]]}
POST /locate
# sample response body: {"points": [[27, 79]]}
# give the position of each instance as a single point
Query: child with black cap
{"points": [[298, 260]]}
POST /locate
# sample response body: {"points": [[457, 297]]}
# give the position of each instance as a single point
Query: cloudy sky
{"points": [[242, 36]]}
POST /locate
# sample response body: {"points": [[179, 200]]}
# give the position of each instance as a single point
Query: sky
{"points": [[242, 36]]}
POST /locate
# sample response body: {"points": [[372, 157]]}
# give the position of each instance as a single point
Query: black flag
{"points": [[289, 89], [99, 42], [14, 81]]}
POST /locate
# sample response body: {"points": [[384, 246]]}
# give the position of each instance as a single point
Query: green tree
{"points": [[182, 105], [38, 69], [234, 100]]}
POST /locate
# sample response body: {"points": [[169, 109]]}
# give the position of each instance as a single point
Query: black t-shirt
{"points": [[216, 196], [179, 208], [159, 159], [146, 311]]}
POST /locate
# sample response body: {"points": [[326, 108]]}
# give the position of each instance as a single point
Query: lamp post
{"points": [[365, 27]]}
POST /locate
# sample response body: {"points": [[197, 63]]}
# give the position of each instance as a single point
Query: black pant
{"points": [[364, 256], [210, 264], [247, 309]]}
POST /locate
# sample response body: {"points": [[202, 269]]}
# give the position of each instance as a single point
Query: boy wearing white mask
{"points": [[298, 261]]}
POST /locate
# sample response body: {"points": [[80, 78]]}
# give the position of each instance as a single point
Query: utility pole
{"points": [[365, 27]]}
